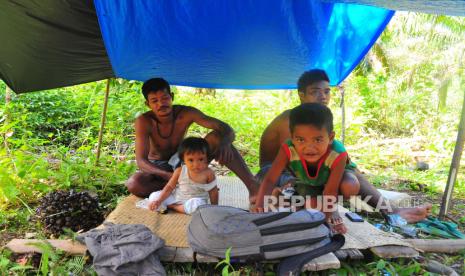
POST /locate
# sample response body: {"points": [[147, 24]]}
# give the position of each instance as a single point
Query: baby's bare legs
{"points": [[177, 207]]}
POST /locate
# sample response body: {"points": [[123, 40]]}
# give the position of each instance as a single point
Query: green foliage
{"points": [[54, 262], [7, 266], [380, 267], [226, 263]]}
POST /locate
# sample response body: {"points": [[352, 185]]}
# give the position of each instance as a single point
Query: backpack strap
{"points": [[288, 244], [271, 218], [292, 265], [290, 228]]}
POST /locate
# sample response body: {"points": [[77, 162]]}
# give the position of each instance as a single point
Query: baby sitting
{"points": [[193, 184]]}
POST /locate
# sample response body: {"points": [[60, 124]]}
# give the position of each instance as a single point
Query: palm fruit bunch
{"points": [[69, 209]]}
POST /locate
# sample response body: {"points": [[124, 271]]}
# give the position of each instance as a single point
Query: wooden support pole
{"points": [[7, 114], [102, 123], [454, 167], [343, 113], [7, 95]]}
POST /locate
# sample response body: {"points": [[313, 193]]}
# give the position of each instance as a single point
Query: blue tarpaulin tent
{"points": [[258, 44]]}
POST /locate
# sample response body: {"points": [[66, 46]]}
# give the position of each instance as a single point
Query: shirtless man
{"points": [[313, 87], [159, 133]]}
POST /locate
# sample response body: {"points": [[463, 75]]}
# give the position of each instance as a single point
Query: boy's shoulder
{"points": [[288, 142], [337, 146]]}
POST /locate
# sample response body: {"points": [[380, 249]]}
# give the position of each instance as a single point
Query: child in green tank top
{"points": [[319, 163]]}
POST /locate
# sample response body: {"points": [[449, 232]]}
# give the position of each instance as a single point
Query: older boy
{"points": [[313, 87], [159, 133]]}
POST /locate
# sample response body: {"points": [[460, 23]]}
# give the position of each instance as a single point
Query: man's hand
{"points": [[252, 199], [154, 205], [258, 207], [225, 154], [253, 193], [167, 175]]}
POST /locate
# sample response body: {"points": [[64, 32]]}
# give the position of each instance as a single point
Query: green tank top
{"points": [[314, 185]]}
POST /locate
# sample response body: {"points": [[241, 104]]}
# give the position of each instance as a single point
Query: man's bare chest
{"points": [[164, 138]]}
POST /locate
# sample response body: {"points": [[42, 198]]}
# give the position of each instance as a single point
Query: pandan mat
{"points": [[172, 227]]}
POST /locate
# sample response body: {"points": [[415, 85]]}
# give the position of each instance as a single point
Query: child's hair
{"points": [[193, 144], [309, 77], [154, 85], [314, 114]]}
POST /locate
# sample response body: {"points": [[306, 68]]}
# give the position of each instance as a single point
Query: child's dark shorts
{"points": [[285, 177]]}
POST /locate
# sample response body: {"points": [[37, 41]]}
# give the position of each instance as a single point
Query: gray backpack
{"points": [[266, 236]]}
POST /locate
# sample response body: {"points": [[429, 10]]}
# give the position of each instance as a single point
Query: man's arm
{"points": [[213, 193], [214, 196], [226, 133], [142, 126]]}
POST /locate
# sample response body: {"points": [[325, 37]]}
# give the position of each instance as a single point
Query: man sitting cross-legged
{"points": [[313, 87], [159, 133]]}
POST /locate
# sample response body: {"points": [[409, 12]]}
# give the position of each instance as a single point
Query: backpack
{"points": [[300, 235]]}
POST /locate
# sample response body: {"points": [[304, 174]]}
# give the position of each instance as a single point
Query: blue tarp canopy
{"points": [[258, 44], [249, 44]]}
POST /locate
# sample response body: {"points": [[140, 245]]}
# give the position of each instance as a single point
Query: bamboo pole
{"points": [[7, 114], [454, 167], [102, 123], [7, 95], [343, 113]]}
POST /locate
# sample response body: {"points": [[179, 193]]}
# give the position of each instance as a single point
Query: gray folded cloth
{"points": [[124, 249]]}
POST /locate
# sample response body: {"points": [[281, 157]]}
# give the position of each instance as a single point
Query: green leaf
{"points": [[225, 271], [4, 262], [381, 264], [220, 263], [22, 173], [227, 255]]}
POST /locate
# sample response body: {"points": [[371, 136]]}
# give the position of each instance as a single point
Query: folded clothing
{"points": [[124, 249]]}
